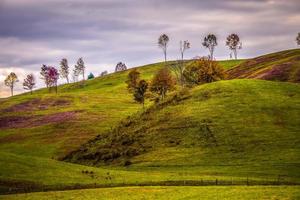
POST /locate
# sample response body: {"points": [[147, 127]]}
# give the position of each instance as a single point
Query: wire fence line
{"points": [[17, 187]]}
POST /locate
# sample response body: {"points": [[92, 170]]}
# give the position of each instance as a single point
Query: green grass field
{"points": [[99, 106], [261, 140], [30, 149], [227, 130], [165, 193]]}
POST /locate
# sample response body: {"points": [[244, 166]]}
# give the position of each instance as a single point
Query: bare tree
{"points": [[233, 42], [183, 47], [298, 39], [120, 67], [210, 42], [163, 44], [44, 75], [80, 68], [178, 66], [74, 76], [29, 83], [10, 81], [64, 69]]}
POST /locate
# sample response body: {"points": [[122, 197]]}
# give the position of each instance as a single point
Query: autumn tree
{"points": [[64, 69], [162, 82], [53, 77], [233, 42], [120, 67], [203, 70], [298, 39], [10, 81], [80, 68], [133, 79], [44, 75], [50, 75], [140, 91], [29, 82], [163, 41], [210, 42]]}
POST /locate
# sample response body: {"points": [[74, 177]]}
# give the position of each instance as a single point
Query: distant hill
{"points": [[279, 66]]}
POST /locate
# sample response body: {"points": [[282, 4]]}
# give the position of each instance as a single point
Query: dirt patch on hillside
{"points": [[37, 120], [37, 104], [279, 72]]}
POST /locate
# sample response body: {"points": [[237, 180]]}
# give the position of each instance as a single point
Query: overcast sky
{"points": [[104, 32]]}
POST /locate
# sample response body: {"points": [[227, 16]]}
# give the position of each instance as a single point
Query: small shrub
{"points": [[127, 163]]}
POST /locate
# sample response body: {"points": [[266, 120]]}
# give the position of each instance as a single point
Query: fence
{"points": [[21, 187]]}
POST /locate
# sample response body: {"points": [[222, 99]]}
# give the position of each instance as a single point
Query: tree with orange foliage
{"points": [[203, 70], [162, 82], [132, 79]]}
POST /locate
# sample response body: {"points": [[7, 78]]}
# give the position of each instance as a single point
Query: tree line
{"points": [[210, 42], [190, 74]]}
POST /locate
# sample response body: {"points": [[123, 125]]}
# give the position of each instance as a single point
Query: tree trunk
{"points": [[68, 80], [12, 90], [235, 53], [165, 52], [181, 71], [30, 91]]}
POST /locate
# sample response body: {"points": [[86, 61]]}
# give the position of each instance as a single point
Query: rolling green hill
{"points": [[251, 126], [37, 129], [228, 130], [51, 125]]}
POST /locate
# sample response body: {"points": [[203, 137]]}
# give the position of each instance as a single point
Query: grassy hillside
{"points": [[166, 193], [235, 127], [51, 125], [279, 66], [35, 129], [226, 130]]}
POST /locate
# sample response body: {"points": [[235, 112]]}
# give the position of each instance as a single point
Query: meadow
{"points": [[232, 130], [164, 193]]}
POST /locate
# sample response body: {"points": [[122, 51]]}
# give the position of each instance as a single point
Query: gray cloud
{"points": [[104, 32]]}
